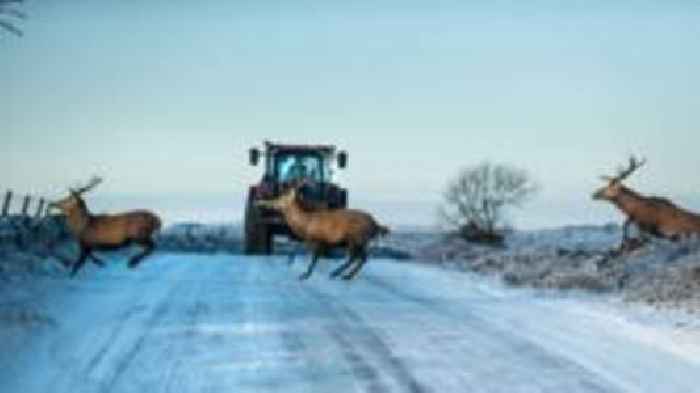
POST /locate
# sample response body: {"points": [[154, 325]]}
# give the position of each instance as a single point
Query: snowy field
{"points": [[223, 323]]}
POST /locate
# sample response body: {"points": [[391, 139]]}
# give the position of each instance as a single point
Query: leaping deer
{"points": [[653, 215], [322, 229], [106, 232]]}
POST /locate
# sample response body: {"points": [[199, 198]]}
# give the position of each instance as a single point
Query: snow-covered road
{"points": [[188, 323]]}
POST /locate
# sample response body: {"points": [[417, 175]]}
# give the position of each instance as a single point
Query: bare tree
{"points": [[9, 14], [475, 200]]}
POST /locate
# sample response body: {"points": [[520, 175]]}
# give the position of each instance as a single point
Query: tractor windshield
{"points": [[296, 166]]}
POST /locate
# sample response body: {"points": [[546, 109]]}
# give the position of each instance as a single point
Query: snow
{"points": [[222, 323]]}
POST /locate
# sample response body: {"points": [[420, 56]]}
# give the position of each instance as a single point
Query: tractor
{"points": [[309, 167]]}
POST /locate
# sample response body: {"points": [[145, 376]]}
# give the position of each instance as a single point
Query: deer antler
{"points": [[94, 181], [624, 173]]}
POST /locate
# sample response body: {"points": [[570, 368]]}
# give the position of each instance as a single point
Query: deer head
{"points": [[612, 190], [282, 201], [75, 200]]}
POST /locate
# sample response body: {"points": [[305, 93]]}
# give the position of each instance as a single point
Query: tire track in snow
{"points": [[352, 324], [124, 320], [73, 349], [519, 344], [123, 364], [361, 369], [160, 308], [171, 377]]}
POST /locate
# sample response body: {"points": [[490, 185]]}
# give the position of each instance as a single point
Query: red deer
{"points": [[653, 215], [322, 229], [106, 232]]}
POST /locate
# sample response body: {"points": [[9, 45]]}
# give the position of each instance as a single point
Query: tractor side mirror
{"points": [[342, 159], [253, 156]]}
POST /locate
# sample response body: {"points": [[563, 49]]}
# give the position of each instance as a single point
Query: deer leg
{"points": [[352, 255], [97, 261], [358, 266], [625, 233], [84, 252], [66, 262], [293, 254], [316, 254], [626, 229], [148, 247]]}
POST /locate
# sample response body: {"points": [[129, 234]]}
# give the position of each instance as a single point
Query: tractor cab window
{"points": [[292, 167]]}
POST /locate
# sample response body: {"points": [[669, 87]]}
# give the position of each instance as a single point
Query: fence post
{"points": [[25, 205], [40, 209], [6, 204]]}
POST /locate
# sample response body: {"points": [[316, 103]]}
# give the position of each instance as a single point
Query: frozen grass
{"points": [[30, 247], [28, 250], [661, 273]]}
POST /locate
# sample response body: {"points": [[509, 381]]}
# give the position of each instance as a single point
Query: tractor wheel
{"points": [[343, 198], [258, 239]]}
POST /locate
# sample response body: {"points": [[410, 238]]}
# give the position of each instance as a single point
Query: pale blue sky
{"points": [[164, 97]]}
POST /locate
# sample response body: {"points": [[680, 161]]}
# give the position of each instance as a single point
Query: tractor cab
{"points": [[309, 166]]}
